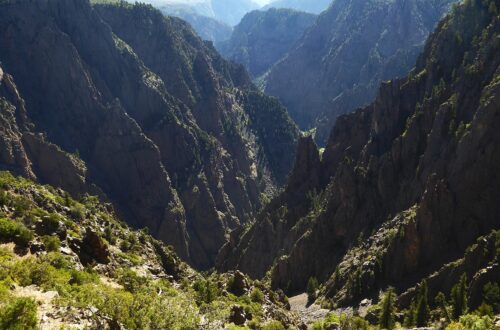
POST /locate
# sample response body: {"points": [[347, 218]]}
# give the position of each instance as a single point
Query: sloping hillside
{"points": [[121, 101], [71, 264]]}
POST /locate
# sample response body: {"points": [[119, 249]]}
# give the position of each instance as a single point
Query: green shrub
{"points": [[109, 236], [51, 243], [491, 293], [257, 295], [472, 322], [273, 325], [77, 211], [485, 309], [30, 271], [206, 291], [81, 278], [145, 309], [19, 315], [131, 243], [334, 321], [131, 281], [11, 231], [57, 260], [21, 206]]}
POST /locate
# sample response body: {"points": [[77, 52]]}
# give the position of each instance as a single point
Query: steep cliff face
{"points": [[53, 77], [338, 64], [13, 121], [30, 155], [262, 38], [150, 113], [406, 184]]}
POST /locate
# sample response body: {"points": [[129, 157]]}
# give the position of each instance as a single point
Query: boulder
{"points": [[237, 315], [239, 284], [93, 249]]}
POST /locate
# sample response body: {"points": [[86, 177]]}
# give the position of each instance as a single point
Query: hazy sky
{"points": [[260, 2]]}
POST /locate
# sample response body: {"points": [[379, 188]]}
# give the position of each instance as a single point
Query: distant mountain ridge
{"points": [[262, 38], [229, 12], [206, 27], [314, 7], [354, 45]]}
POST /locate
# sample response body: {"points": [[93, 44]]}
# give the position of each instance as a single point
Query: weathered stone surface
{"points": [[93, 248], [147, 116], [239, 284], [406, 184], [237, 316]]}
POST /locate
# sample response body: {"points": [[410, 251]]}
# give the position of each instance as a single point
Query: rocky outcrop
{"points": [[13, 120], [408, 183], [282, 221], [479, 264], [262, 38], [339, 63], [93, 249], [119, 101]]}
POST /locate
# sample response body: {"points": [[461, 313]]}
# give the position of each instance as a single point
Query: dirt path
{"points": [[308, 314]]}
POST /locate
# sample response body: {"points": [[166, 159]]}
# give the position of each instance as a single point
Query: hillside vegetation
{"points": [[66, 263]]}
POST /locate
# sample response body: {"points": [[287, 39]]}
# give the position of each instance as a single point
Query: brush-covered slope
{"points": [[339, 63], [68, 263], [404, 186], [262, 38], [121, 101]]}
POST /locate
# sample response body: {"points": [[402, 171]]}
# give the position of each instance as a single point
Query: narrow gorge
{"points": [[149, 182]]}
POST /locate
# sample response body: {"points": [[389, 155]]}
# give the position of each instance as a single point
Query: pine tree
{"points": [[410, 315], [493, 8], [423, 310], [459, 297], [312, 286], [388, 311], [440, 301]]}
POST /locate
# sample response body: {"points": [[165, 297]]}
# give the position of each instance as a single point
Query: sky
{"points": [[260, 2]]}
